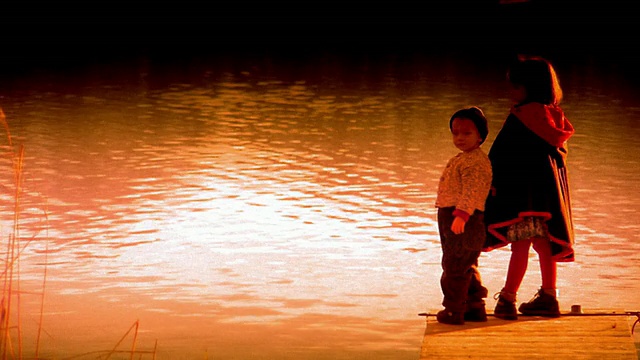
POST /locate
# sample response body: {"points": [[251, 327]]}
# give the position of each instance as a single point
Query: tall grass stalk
{"points": [[44, 283], [11, 291], [135, 337], [11, 270], [10, 274]]}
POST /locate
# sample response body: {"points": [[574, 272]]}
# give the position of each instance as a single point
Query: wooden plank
{"points": [[532, 337]]}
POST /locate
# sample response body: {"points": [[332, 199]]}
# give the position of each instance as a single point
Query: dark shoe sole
{"points": [[541, 313], [475, 318], [506, 316], [449, 321]]}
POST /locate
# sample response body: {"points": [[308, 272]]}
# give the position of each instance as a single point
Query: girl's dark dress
{"points": [[530, 178]]}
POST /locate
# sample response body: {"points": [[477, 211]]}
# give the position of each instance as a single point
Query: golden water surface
{"points": [[267, 208]]}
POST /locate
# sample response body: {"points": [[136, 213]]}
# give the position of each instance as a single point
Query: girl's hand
{"points": [[458, 225]]}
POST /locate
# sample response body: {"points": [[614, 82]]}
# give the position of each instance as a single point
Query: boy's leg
{"points": [[475, 309], [454, 280], [475, 235], [477, 292]]}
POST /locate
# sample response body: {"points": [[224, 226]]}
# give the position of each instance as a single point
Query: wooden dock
{"points": [[568, 337]]}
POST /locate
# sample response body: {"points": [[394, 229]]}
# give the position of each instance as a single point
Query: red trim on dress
{"points": [[493, 230]]}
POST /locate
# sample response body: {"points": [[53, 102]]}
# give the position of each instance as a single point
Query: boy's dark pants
{"points": [[460, 281]]}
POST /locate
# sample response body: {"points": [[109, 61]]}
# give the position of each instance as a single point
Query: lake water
{"points": [[275, 207]]}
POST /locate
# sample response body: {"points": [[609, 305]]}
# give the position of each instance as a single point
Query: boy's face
{"points": [[465, 134]]}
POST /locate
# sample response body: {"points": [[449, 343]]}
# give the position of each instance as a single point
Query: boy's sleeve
{"points": [[461, 214], [476, 183]]}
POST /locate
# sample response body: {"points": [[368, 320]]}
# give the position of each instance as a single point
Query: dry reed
{"points": [[11, 273], [10, 317], [11, 292]]}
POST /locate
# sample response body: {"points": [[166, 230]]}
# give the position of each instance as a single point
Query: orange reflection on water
{"points": [[249, 215]]}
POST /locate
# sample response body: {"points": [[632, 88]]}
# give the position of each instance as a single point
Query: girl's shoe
{"points": [[505, 309], [448, 317], [542, 304]]}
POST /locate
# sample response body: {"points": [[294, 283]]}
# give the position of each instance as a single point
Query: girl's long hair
{"points": [[539, 79]]}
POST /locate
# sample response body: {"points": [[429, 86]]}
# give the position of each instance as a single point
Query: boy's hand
{"points": [[458, 225]]}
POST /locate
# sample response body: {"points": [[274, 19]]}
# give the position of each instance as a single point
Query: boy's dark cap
{"points": [[476, 115]]}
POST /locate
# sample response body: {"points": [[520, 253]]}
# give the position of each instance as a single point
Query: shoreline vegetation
{"points": [[15, 338]]}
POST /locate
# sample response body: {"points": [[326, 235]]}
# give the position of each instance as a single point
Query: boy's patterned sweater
{"points": [[465, 183]]}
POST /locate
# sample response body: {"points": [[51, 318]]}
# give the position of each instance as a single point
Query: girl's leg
{"points": [[505, 307], [548, 266], [517, 266], [544, 303]]}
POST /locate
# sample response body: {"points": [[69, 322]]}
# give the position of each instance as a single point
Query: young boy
{"points": [[462, 192]]}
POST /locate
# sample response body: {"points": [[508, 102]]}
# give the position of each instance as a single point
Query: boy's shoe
{"points": [[452, 318], [542, 304], [505, 309], [476, 314]]}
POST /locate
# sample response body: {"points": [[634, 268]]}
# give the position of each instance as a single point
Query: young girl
{"points": [[529, 202], [462, 192]]}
